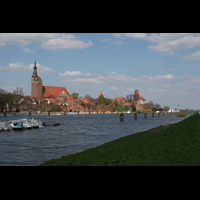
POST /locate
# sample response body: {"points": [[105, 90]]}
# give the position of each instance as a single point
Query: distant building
{"points": [[101, 94], [138, 99], [120, 100], [50, 93]]}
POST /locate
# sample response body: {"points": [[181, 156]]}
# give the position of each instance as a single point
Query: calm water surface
{"points": [[75, 134]]}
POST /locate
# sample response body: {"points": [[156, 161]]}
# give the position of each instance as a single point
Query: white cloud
{"points": [[19, 66], [27, 50], [190, 79], [166, 42], [86, 80], [192, 56], [113, 88], [74, 73], [117, 42], [158, 77], [169, 86], [52, 41], [64, 41], [157, 90], [133, 35], [24, 38], [106, 40], [68, 73], [88, 74], [130, 89]]}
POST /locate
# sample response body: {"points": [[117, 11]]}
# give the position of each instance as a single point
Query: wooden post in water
{"points": [[158, 114], [4, 112], [97, 112], [89, 112], [78, 112], [135, 115], [48, 112], [145, 115], [152, 114], [29, 113], [64, 112], [121, 117]]}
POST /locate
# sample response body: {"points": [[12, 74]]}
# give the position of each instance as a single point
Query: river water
{"points": [[75, 134]]}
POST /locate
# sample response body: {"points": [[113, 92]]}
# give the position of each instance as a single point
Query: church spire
{"points": [[35, 65], [35, 70]]}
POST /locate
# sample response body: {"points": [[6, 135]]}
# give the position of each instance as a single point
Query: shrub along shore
{"points": [[172, 145]]}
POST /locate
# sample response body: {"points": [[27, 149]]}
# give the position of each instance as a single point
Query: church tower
{"points": [[36, 84]]}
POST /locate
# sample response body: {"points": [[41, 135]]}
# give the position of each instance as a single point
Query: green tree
{"points": [[102, 99], [82, 103], [166, 108], [151, 104], [75, 95]]}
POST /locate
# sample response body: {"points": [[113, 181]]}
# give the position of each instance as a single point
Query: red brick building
{"points": [[50, 93]]}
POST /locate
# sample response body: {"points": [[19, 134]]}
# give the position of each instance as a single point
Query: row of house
{"points": [[60, 96]]}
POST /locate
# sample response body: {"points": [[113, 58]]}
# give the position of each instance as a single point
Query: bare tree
{"points": [[18, 91]]}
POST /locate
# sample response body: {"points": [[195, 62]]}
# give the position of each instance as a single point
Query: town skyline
{"points": [[163, 67]]}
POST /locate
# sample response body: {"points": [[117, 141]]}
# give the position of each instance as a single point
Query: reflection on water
{"points": [[75, 133]]}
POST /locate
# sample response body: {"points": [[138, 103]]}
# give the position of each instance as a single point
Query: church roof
{"points": [[51, 91], [39, 79]]}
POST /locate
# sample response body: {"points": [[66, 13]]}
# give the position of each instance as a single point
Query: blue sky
{"points": [[164, 67]]}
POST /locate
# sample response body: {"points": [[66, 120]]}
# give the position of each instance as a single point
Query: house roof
{"points": [[70, 97], [85, 100], [118, 98], [127, 103], [101, 94], [36, 99], [141, 98], [51, 91]]}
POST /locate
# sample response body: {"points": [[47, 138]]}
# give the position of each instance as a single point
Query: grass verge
{"points": [[181, 114], [173, 145]]}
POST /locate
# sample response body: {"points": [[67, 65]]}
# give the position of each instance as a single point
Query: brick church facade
{"points": [[49, 93]]}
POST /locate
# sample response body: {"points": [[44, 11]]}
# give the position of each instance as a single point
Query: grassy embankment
{"points": [[173, 145]]}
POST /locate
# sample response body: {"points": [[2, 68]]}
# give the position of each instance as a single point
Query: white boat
{"points": [[35, 123], [5, 126], [16, 125], [26, 123]]}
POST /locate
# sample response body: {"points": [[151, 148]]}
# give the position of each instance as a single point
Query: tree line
{"points": [[8, 98]]}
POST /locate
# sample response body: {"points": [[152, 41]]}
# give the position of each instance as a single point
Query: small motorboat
{"points": [[35, 123], [4, 126], [16, 125], [26, 123]]}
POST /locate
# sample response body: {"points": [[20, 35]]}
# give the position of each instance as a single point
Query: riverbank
{"points": [[173, 145]]}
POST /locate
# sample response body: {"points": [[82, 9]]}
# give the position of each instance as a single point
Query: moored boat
{"points": [[26, 123], [35, 123], [16, 125], [4, 126]]}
